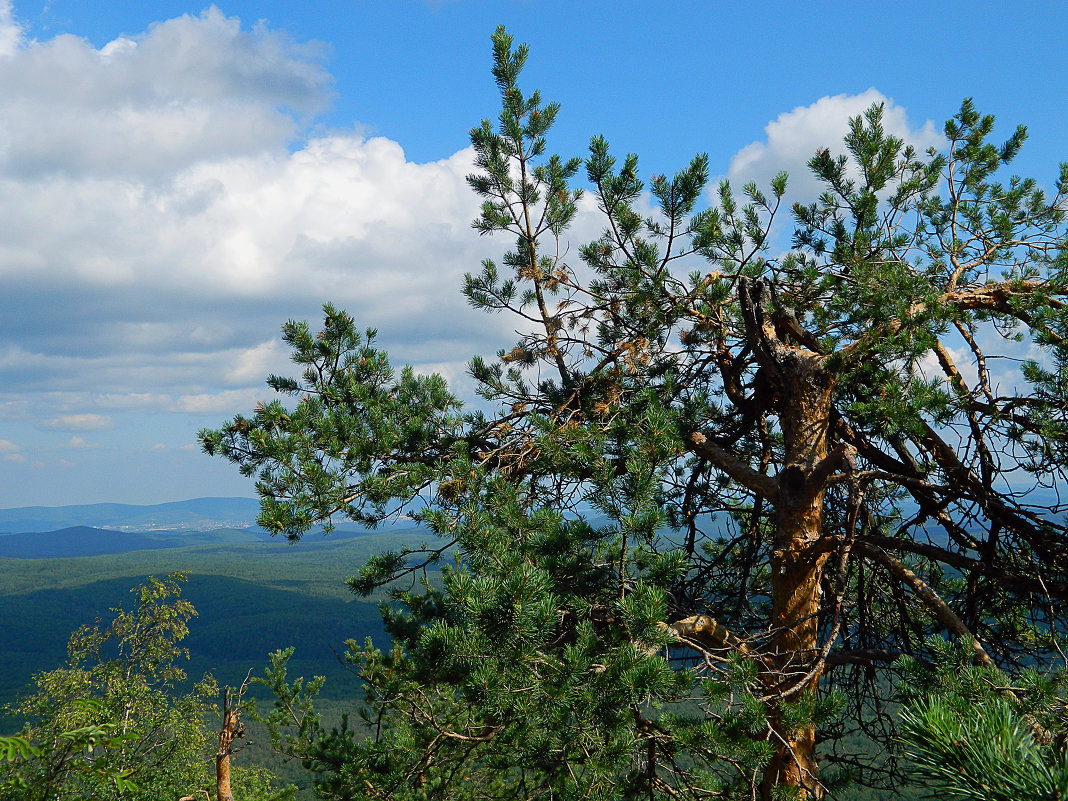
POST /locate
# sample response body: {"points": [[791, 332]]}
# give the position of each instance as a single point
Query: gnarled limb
{"points": [[760, 483], [708, 633]]}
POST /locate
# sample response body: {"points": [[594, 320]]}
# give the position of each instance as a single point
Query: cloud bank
{"points": [[165, 210]]}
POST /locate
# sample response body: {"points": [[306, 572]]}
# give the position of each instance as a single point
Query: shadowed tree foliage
{"points": [[74, 756], [715, 490], [113, 722], [108, 723]]}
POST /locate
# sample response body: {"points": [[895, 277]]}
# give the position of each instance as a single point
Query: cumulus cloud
{"points": [[7, 446], [165, 211], [187, 89], [16, 458], [78, 422], [10, 31], [794, 136]]}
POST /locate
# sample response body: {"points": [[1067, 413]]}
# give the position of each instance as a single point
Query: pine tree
{"points": [[718, 490]]}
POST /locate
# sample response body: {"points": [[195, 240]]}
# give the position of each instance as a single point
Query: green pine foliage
{"points": [[989, 754], [711, 493], [971, 732]]}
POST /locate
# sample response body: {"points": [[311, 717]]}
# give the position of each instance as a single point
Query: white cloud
{"points": [[253, 364], [794, 136], [168, 202], [17, 458], [342, 217], [219, 402], [158, 447], [187, 89], [7, 446], [175, 247], [78, 422], [11, 35]]}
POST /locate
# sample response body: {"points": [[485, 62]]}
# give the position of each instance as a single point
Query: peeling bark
{"points": [[707, 633], [797, 564]]}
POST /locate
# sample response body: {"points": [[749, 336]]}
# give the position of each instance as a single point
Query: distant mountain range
{"points": [[99, 529], [198, 514]]}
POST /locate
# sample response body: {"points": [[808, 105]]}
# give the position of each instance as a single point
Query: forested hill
{"points": [[254, 594], [79, 541]]}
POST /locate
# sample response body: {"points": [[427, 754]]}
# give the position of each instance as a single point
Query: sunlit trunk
{"points": [[797, 566]]}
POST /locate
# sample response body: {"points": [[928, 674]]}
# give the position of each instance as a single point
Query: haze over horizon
{"points": [[177, 180]]}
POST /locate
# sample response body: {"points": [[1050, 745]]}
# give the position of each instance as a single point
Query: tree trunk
{"points": [[801, 389], [804, 399], [231, 730], [222, 777]]}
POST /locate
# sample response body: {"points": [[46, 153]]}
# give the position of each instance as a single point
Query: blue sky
{"points": [[177, 179]]}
